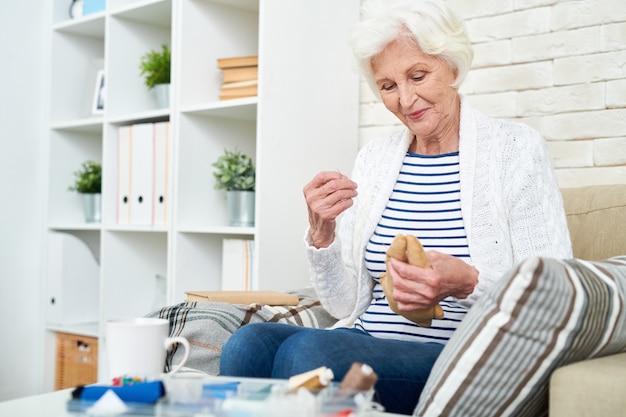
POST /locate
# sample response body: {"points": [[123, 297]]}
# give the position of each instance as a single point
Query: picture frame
{"points": [[99, 96]]}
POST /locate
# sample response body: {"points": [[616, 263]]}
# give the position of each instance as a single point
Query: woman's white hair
{"points": [[430, 23]]}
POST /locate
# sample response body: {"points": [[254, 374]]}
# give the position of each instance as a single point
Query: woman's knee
{"points": [[242, 339], [311, 349], [251, 349], [246, 333]]}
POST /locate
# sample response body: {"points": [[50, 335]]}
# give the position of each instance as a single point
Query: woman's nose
{"points": [[407, 95]]}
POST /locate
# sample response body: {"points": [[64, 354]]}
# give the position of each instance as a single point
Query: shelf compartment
{"points": [[197, 262], [133, 33], [202, 140], [68, 150], [130, 282], [75, 64], [213, 30]]}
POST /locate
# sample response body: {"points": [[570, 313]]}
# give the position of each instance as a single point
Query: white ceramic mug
{"points": [[137, 347]]}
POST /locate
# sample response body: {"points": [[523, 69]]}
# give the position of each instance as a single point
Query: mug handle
{"points": [[183, 341]]}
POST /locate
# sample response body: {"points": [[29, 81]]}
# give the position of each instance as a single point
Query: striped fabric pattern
{"points": [[544, 314], [426, 203], [208, 325]]}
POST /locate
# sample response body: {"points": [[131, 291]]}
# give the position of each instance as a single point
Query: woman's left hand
{"points": [[418, 288]]}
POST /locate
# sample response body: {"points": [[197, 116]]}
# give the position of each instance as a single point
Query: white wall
{"points": [[22, 47], [557, 65]]}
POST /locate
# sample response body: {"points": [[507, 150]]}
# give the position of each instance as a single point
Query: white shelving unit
{"points": [[304, 120]]}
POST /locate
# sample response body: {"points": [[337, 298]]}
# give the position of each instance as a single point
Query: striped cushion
{"points": [[544, 314]]}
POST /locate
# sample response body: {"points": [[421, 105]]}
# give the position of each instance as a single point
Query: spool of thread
{"points": [[360, 377], [312, 380]]}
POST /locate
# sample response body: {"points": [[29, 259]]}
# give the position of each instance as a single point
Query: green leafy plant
{"points": [[234, 172], [88, 179], [155, 66]]}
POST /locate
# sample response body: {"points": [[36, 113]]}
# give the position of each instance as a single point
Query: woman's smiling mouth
{"points": [[417, 114]]}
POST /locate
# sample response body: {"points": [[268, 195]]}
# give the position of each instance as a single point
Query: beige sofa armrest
{"points": [[595, 387]]}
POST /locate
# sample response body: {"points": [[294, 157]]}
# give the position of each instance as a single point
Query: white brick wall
{"points": [[557, 65]]}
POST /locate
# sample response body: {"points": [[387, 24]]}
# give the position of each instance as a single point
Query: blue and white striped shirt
{"points": [[426, 203]]}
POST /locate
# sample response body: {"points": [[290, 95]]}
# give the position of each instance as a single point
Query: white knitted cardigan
{"points": [[510, 202]]}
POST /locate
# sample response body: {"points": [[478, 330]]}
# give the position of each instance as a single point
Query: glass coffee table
{"points": [[54, 404]]}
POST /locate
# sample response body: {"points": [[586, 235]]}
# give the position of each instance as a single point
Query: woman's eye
{"points": [[387, 87], [419, 77]]}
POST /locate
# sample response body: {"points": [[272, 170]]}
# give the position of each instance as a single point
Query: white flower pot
{"points": [[240, 208], [92, 207], [162, 93]]}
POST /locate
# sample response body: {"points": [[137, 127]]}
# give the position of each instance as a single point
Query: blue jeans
{"points": [[276, 350]]}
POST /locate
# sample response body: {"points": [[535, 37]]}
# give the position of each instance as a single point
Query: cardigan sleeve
{"points": [[337, 272], [336, 292], [334, 270], [536, 217]]}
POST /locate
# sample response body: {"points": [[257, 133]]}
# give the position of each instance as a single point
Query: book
{"points": [[240, 74], [238, 61], [93, 6], [272, 298], [235, 95], [240, 84], [237, 264], [230, 92]]}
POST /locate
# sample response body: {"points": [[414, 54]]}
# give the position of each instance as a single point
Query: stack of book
{"points": [[240, 76]]}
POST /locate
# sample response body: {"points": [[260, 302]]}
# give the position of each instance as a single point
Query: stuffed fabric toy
{"points": [[409, 249]]}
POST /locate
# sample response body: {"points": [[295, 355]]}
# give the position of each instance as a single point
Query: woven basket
{"points": [[77, 360]]}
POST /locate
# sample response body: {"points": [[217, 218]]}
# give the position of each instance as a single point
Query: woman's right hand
{"points": [[327, 195], [417, 288]]}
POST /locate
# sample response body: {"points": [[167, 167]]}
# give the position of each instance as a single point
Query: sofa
{"points": [[576, 369], [597, 221]]}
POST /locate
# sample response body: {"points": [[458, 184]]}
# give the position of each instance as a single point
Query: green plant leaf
{"points": [[234, 172], [155, 66], [88, 179]]}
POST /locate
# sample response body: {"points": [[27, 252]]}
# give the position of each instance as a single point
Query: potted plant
{"points": [[155, 67], [88, 183], [235, 173]]}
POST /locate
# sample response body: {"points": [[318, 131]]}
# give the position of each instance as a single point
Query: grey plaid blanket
{"points": [[207, 325]]}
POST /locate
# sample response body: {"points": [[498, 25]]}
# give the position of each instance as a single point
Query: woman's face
{"points": [[416, 88]]}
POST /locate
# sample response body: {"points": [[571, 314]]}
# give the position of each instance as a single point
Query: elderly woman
{"points": [[479, 194]]}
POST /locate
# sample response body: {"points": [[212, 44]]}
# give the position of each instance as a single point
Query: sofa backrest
{"points": [[596, 216]]}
